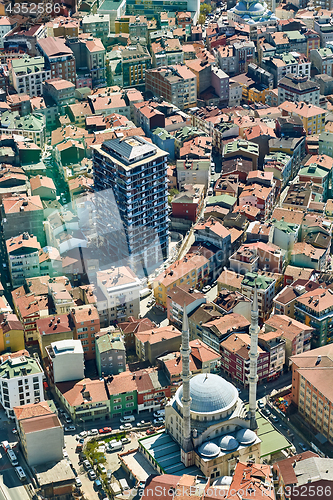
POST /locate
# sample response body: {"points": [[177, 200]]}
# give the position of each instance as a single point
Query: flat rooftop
{"points": [[54, 472], [166, 452], [137, 464]]}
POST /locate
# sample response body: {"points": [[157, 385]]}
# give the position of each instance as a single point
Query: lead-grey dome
{"points": [[228, 443], [209, 449], [246, 436], [209, 393]]}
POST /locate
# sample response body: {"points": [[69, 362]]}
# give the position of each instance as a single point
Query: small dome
{"points": [[223, 481], [257, 8], [209, 449], [241, 7], [246, 436], [209, 393], [228, 443]]}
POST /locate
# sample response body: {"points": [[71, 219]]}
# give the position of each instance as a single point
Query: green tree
{"points": [[205, 9], [202, 19]]}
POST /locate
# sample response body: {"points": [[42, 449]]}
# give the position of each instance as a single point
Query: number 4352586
{"points": [[33, 8]]}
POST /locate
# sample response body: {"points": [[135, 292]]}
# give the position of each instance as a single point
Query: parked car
{"points": [[105, 430], [150, 431], [266, 412], [151, 302], [78, 482], [65, 454], [70, 428], [143, 423], [83, 434], [303, 447], [86, 464], [91, 474], [81, 440], [125, 427], [261, 404], [206, 289], [68, 420], [93, 432], [159, 421], [101, 468], [159, 413], [14, 431], [109, 474], [125, 440], [102, 495], [275, 419]]}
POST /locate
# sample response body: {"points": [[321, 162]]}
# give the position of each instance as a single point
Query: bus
{"points": [[21, 474], [12, 458]]}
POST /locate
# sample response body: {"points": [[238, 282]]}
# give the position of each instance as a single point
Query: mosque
{"points": [[252, 12], [207, 428]]}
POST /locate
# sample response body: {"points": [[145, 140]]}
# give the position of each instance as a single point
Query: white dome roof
{"points": [[228, 443], [257, 8], [209, 449], [209, 393], [246, 436]]}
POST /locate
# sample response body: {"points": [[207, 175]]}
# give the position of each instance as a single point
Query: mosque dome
{"points": [[256, 8], [209, 449], [209, 393], [241, 7], [246, 436], [228, 443]]}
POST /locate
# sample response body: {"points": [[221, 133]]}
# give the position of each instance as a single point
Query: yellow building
{"points": [[11, 333], [192, 270], [312, 116]]}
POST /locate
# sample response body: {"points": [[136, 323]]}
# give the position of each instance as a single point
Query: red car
{"points": [[105, 430], [150, 431]]}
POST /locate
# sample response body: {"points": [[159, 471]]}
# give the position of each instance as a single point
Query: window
{"points": [[129, 398]]}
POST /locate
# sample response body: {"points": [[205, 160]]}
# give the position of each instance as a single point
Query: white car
{"points": [[159, 413], [65, 454], [83, 434], [93, 432], [78, 482], [206, 289], [125, 427], [159, 421]]}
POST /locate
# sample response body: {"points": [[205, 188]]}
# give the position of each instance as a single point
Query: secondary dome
{"points": [[241, 7], [257, 8], [209, 393], [209, 449], [228, 443], [246, 436]]}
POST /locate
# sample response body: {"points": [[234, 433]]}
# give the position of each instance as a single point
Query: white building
{"points": [[28, 75], [97, 24], [21, 382], [66, 359], [23, 258], [121, 287], [5, 26]]}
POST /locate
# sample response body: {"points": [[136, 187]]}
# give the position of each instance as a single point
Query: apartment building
{"points": [[315, 308], [265, 290], [322, 60], [166, 51], [121, 287], [23, 258], [133, 223], [135, 60], [59, 58], [151, 344], [287, 63], [6, 25], [98, 25], [84, 321], [235, 359], [62, 92], [28, 75], [22, 214], [65, 360], [311, 389], [274, 344], [212, 231], [298, 89], [176, 84], [110, 354], [89, 54], [313, 117], [30, 126], [193, 270], [193, 172], [296, 335], [21, 382], [11, 332]]}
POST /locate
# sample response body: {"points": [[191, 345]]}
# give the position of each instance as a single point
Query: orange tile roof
{"points": [[73, 391], [41, 181], [14, 204], [158, 334], [32, 410], [22, 241]]}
